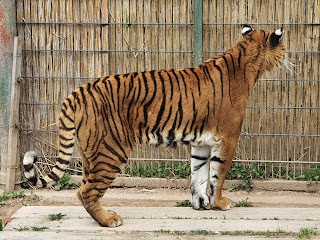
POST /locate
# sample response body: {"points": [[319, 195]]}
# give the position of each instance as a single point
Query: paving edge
{"points": [[264, 185]]}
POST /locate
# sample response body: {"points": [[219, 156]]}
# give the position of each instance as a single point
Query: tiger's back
{"points": [[203, 106]]}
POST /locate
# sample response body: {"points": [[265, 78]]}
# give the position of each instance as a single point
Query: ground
{"points": [[161, 197]]}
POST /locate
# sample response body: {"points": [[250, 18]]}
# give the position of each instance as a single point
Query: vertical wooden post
{"points": [[13, 166], [198, 32]]}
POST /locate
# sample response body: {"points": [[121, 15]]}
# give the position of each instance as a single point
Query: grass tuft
{"points": [[56, 217]]}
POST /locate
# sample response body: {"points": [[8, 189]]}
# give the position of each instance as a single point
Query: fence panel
{"points": [[67, 43]]}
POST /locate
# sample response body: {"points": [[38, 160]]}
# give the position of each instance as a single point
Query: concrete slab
{"points": [[155, 222]]}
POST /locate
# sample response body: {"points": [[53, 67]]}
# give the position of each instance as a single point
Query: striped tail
{"points": [[66, 147]]}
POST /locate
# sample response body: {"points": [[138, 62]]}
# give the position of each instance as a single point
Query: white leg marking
{"points": [[215, 161], [200, 176]]}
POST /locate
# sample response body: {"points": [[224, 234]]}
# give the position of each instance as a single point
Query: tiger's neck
{"points": [[247, 64]]}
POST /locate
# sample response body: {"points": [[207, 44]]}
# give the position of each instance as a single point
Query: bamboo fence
{"points": [[69, 42]]}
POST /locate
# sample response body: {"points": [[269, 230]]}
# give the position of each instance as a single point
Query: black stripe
{"points": [[114, 152], [44, 183], [177, 80], [64, 138], [217, 159], [146, 106], [70, 103], [33, 180], [106, 162], [171, 133], [159, 137], [59, 168], [184, 83], [221, 76], [83, 95], [62, 161], [67, 145], [64, 127], [171, 83], [180, 110], [198, 79], [64, 153], [163, 104], [233, 66], [28, 167], [67, 116], [227, 64], [168, 118], [196, 168], [195, 112], [53, 176], [199, 157]]}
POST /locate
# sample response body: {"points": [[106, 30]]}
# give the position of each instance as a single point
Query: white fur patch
{"points": [[29, 157], [29, 174], [278, 32], [246, 29]]}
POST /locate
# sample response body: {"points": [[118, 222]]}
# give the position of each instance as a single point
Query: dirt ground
{"points": [[161, 197]]}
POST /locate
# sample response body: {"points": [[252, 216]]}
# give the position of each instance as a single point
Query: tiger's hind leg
{"points": [[102, 170], [85, 174]]}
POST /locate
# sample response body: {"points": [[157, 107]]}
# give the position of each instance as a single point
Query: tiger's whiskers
{"points": [[292, 67]]}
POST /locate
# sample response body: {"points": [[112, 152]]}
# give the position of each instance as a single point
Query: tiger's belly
{"points": [[167, 139]]}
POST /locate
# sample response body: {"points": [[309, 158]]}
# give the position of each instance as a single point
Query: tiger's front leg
{"points": [[220, 161], [200, 176]]}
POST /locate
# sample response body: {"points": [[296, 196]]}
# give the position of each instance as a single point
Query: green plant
{"points": [[1, 225], [243, 203], [185, 203], [22, 228], [159, 169], [245, 184], [65, 183], [5, 196], [56, 217], [310, 175], [38, 229], [307, 233]]}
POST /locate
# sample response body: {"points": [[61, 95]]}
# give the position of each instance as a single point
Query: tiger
{"points": [[202, 106]]}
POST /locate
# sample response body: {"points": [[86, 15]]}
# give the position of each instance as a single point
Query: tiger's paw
{"points": [[223, 204], [111, 219], [200, 201]]}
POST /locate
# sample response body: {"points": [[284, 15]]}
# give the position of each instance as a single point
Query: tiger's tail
{"points": [[66, 147]]}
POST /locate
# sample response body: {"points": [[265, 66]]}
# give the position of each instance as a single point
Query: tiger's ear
{"points": [[246, 29], [275, 37]]}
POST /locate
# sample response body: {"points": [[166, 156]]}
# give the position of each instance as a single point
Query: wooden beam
{"points": [[13, 166]]}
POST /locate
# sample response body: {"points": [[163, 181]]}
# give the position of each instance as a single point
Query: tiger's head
{"points": [[264, 49]]}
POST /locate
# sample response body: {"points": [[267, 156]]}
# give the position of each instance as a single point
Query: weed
{"points": [[56, 217], [307, 233], [22, 228], [201, 232], [160, 169], [246, 184], [38, 229], [268, 233], [1, 225], [66, 183], [185, 203], [310, 175], [243, 203], [5, 196]]}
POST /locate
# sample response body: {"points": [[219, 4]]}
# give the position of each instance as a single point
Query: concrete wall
{"points": [[7, 33]]}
